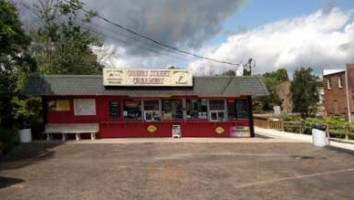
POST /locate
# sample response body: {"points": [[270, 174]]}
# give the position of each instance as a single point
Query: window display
{"points": [[114, 109], [196, 109], [237, 109], [172, 109], [132, 109], [59, 105], [151, 110], [217, 110], [84, 107]]}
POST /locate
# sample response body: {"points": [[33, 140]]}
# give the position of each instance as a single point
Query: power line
{"points": [[155, 41]]}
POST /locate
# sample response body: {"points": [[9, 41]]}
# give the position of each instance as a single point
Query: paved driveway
{"points": [[177, 171]]}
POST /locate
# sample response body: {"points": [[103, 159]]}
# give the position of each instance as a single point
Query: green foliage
{"points": [[304, 91], [63, 44], [229, 73], [272, 80], [8, 139], [14, 59]]}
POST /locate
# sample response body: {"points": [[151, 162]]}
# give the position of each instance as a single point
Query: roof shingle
{"points": [[93, 85]]}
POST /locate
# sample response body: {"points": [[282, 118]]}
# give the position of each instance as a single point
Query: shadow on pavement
{"points": [[6, 182], [27, 154]]}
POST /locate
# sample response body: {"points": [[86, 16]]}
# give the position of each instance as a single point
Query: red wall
{"points": [[137, 128]]}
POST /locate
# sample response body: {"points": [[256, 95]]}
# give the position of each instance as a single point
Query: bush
{"points": [[9, 139]]}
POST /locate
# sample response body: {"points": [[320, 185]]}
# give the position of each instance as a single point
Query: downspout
{"points": [[347, 94]]}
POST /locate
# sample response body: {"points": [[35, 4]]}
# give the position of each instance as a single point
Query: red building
{"points": [[217, 106], [338, 89]]}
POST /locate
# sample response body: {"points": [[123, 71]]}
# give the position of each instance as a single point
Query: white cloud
{"points": [[319, 40]]}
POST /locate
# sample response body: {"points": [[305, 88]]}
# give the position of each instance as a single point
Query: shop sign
{"points": [[240, 131], [147, 77], [151, 128]]}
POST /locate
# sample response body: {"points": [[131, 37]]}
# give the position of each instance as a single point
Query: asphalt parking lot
{"points": [[177, 171]]}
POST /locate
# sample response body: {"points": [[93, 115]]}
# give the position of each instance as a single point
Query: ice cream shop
{"points": [[125, 103]]}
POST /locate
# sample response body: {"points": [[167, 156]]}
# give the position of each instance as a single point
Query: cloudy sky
{"points": [[275, 33]]}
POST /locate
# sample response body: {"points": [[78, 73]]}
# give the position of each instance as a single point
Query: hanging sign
{"points": [[147, 77]]}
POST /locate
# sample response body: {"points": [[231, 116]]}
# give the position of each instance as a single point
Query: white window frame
{"points": [[159, 111], [340, 82], [217, 111], [329, 83]]}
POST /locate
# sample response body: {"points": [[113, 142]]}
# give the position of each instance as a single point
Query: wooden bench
{"points": [[66, 129]]}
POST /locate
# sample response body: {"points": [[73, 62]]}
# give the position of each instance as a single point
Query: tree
{"points": [[304, 91], [14, 60], [229, 73], [62, 44], [272, 80]]}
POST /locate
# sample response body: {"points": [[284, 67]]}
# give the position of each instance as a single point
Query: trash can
{"points": [[25, 135], [319, 137]]}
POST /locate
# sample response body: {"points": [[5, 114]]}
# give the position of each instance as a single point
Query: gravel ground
{"points": [[177, 171]]}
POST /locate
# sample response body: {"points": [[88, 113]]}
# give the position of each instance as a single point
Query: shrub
{"points": [[9, 139]]}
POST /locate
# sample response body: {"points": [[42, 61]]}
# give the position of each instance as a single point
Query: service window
{"points": [[114, 109], [237, 109], [172, 109], [59, 105], [217, 110], [132, 109], [84, 107], [152, 110], [196, 109]]}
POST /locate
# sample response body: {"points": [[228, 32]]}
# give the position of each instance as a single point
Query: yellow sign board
{"points": [[152, 128], [147, 77], [219, 130]]}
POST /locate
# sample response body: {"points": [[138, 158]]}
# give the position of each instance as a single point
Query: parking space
{"points": [[177, 170]]}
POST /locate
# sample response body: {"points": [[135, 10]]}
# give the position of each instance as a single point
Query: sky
{"points": [[274, 33]]}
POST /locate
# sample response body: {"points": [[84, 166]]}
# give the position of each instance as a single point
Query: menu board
{"points": [[84, 107]]}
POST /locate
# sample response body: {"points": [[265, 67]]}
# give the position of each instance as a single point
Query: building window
{"points": [[196, 109], [132, 109], [59, 105], [217, 110], [340, 82], [172, 109], [237, 109], [329, 84], [151, 110], [84, 107], [114, 109]]}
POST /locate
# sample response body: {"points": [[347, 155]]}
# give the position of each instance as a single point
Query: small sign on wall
{"points": [[240, 131], [83, 107]]}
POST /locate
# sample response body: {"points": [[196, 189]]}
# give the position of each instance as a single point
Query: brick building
{"points": [[336, 90]]}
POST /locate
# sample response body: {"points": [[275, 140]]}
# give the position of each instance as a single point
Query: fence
{"points": [[335, 131]]}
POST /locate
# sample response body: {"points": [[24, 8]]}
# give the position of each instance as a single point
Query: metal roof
{"points": [[93, 85], [327, 72]]}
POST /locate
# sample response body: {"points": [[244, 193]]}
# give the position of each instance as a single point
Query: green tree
{"points": [[229, 73], [62, 44], [272, 80], [15, 60], [304, 91]]}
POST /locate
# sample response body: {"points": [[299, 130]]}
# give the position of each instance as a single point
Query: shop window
{"points": [[172, 109], [114, 109], [196, 109], [217, 110], [132, 109], [237, 109], [59, 105], [242, 109], [151, 110]]}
